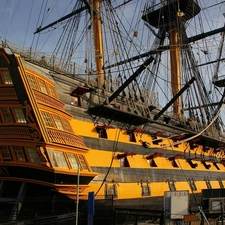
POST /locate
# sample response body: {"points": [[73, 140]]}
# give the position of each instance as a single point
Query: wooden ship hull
{"points": [[42, 144], [61, 139]]}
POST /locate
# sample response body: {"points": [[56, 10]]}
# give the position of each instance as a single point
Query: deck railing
{"points": [[48, 61]]}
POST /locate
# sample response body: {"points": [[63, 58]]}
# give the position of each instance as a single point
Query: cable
{"points": [[188, 139], [110, 166]]}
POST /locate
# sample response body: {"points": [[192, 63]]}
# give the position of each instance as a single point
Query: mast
{"points": [[95, 6], [171, 15], [166, 47], [175, 67]]}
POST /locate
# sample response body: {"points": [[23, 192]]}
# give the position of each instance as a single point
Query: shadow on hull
{"points": [[41, 206]]}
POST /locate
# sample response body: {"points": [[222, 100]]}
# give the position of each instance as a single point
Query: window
{"points": [[72, 160], [60, 158], [47, 119], [131, 136], [174, 163], [75, 100], [208, 184], [173, 159], [51, 91], [20, 118], [5, 152], [101, 132], [66, 125], [193, 165], [172, 186], [207, 166], [124, 162], [32, 81], [83, 165], [192, 184], [19, 153], [6, 77], [42, 86], [52, 157], [58, 122], [145, 189], [220, 182], [111, 191], [33, 155], [217, 167], [57, 158], [152, 162], [7, 115]]}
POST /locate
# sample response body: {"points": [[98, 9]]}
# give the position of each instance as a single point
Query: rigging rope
{"points": [[188, 139], [30, 14]]}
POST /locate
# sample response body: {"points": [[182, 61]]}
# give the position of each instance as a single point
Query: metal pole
{"points": [[221, 205], [77, 202], [203, 216]]}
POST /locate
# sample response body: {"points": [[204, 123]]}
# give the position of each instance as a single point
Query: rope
{"points": [[190, 138]]}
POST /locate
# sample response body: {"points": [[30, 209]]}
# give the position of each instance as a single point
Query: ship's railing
{"points": [[45, 60], [151, 7]]}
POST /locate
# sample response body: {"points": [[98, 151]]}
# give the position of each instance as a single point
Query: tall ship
{"points": [[125, 106]]}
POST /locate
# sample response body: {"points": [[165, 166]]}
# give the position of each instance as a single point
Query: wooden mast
{"points": [[175, 68], [97, 32], [171, 15]]}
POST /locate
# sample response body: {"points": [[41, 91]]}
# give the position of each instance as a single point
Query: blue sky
{"points": [[18, 18], [14, 17], [18, 22]]}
